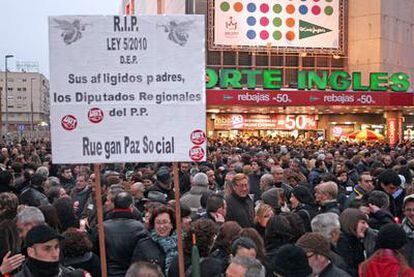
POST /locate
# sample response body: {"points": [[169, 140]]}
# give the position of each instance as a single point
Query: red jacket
{"points": [[384, 263]]}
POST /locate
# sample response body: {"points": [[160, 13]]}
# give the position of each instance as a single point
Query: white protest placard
{"points": [[127, 89]]}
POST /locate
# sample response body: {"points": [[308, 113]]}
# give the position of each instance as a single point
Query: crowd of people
{"points": [[256, 207]]}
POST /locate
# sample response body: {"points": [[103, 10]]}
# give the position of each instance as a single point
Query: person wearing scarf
{"points": [[43, 252]]}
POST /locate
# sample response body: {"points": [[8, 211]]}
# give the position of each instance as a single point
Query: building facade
{"points": [[378, 37], [27, 106]]}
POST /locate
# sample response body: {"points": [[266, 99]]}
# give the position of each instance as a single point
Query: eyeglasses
{"points": [[165, 222]]}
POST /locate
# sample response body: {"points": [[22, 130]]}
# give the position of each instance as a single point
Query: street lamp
{"points": [[7, 92]]}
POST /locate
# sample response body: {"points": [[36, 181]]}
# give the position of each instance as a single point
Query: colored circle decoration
{"points": [[277, 8], [264, 21], [303, 9], [251, 7], [251, 21], [264, 35], [290, 9], [290, 35], [264, 8], [316, 10], [277, 22], [238, 6], [225, 6], [316, 0], [329, 1], [329, 10], [290, 22], [251, 34], [277, 35]]}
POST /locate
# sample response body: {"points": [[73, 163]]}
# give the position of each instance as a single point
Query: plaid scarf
{"points": [[169, 245]]}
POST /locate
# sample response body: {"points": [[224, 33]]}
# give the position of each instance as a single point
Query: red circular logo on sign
{"points": [[196, 153], [198, 137], [69, 122], [95, 115]]}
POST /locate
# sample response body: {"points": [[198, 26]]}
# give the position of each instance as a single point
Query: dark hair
{"points": [[53, 194], [51, 216], [254, 235], [37, 180], [2, 159], [211, 267], [203, 199], [75, 244], [318, 163], [204, 231], [242, 242], [9, 202], [6, 177], [160, 210], [297, 225], [379, 199], [227, 233], [123, 200], [66, 214], [63, 168], [279, 230], [214, 202]]}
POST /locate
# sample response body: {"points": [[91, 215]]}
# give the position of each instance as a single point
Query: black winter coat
{"points": [[352, 250], [333, 271], [89, 262], [31, 196], [240, 209], [122, 233], [147, 250]]}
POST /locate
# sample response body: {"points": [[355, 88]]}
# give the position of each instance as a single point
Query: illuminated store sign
{"points": [[265, 122], [321, 80]]}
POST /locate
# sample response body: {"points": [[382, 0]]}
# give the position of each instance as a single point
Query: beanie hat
{"points": [[314, 242], [349, 220], [391, 236], [303, 194], [271, 198], [41, 234], [163, 175], [291, 260]]}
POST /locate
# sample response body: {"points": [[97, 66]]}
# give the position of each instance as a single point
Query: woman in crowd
{"points": [[162, 231], [263, 214], [77, 252], [221, 248], [388, 260]]}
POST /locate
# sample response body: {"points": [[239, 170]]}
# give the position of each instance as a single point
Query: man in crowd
{"points": [[364, 186], [326, 196], [318, 253], [43, 251], [240, 206], [81, 192]]}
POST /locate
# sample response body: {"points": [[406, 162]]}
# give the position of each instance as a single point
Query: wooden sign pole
{"points": [[178, 219], [99, 210]]}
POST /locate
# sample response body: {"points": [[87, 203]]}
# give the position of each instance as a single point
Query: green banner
{"points": [[307, 29]]}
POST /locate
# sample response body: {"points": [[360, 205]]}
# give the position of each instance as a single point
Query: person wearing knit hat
{"points": [[317, 250], [387, 260], [271, 198], [291, 261], [350, 244], [303, 203], [391, 236]]}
